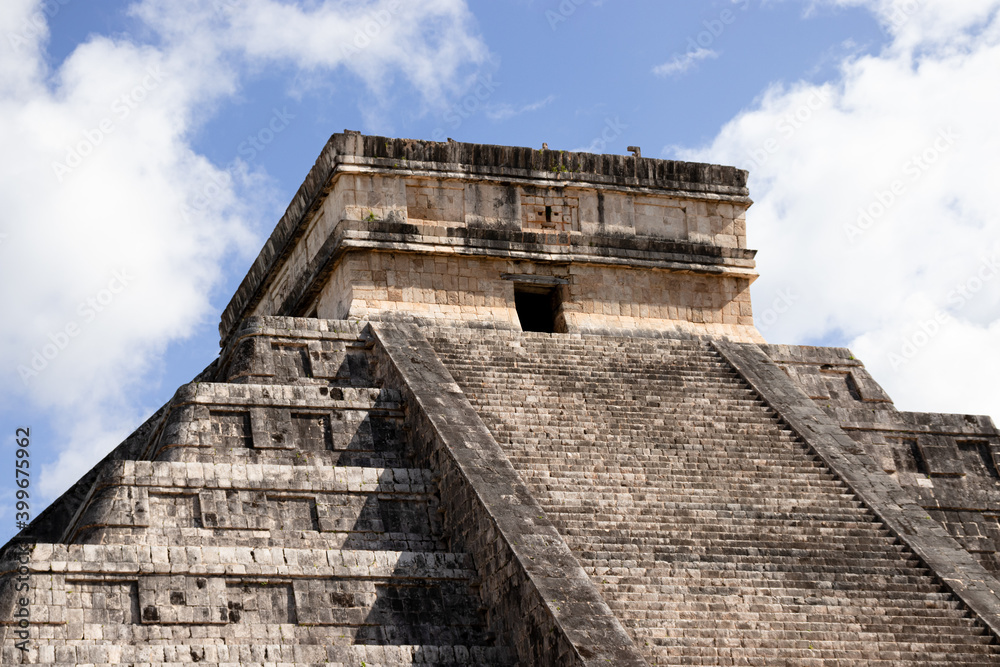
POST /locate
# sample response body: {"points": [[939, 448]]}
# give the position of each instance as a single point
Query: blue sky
{"points": [[153, 144]]}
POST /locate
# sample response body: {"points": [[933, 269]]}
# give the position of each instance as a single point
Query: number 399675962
{"points": [[22, 476]]}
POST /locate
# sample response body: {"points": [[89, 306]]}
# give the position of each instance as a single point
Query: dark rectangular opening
{"points": [[536, 307]]}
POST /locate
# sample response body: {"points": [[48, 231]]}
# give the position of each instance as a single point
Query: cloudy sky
{"points": [[152, 145]]}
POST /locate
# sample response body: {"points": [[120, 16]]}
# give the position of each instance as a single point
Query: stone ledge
{"points": [[295, 396], [260, 653], [927, 423], [810, 355], [546, 248], [580, 249], [561, 166], [504, 237], [895, 506], [101, 559], [308, 328], [264, 477]]}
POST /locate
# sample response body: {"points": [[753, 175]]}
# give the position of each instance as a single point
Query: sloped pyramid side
{"points": [[270, 516]]}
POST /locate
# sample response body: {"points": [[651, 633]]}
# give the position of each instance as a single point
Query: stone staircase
{"points": [[713, 532], [272, 519]]}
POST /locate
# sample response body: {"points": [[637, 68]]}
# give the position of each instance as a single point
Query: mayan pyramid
{"points": [[484, 405]]}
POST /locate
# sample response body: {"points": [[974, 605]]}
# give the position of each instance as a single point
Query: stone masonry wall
{"points": [[358, 291], [479, 291]]}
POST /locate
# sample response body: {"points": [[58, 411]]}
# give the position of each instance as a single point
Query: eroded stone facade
{"points": [[480, 292]]}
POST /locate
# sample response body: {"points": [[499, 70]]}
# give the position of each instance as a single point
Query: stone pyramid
{"points": [[482, 405]]}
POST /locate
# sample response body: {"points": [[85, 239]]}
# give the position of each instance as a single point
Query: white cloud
{"points": [[115, 228], [923, 24], [875, 206], [507, 111], [680, 64], [429, 44]]}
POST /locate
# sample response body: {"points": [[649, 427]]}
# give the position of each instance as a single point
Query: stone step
{"points": [[788, 509], [657, 543], [798, 515], [810, 615], [225, 561], [722, 534], [306, 539], [627, 568], [570, 469], [354, 458], [808, 479], [803, 656], [737, 446], [790, 506], [740, 558], [701, 582], [687, 405], [825, 636], [624, 480], [261, 655]]}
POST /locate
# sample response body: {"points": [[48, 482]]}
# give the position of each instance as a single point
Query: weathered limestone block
{"points": [[434, 200], [271, 428], [662, 217], [941, 457], [166, 600], [492, 205]]}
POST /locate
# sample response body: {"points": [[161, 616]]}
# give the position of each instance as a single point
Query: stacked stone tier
{"points": [[273, 518]]}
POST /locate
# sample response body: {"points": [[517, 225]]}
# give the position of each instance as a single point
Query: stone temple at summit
{"points": [[486, 405]]}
